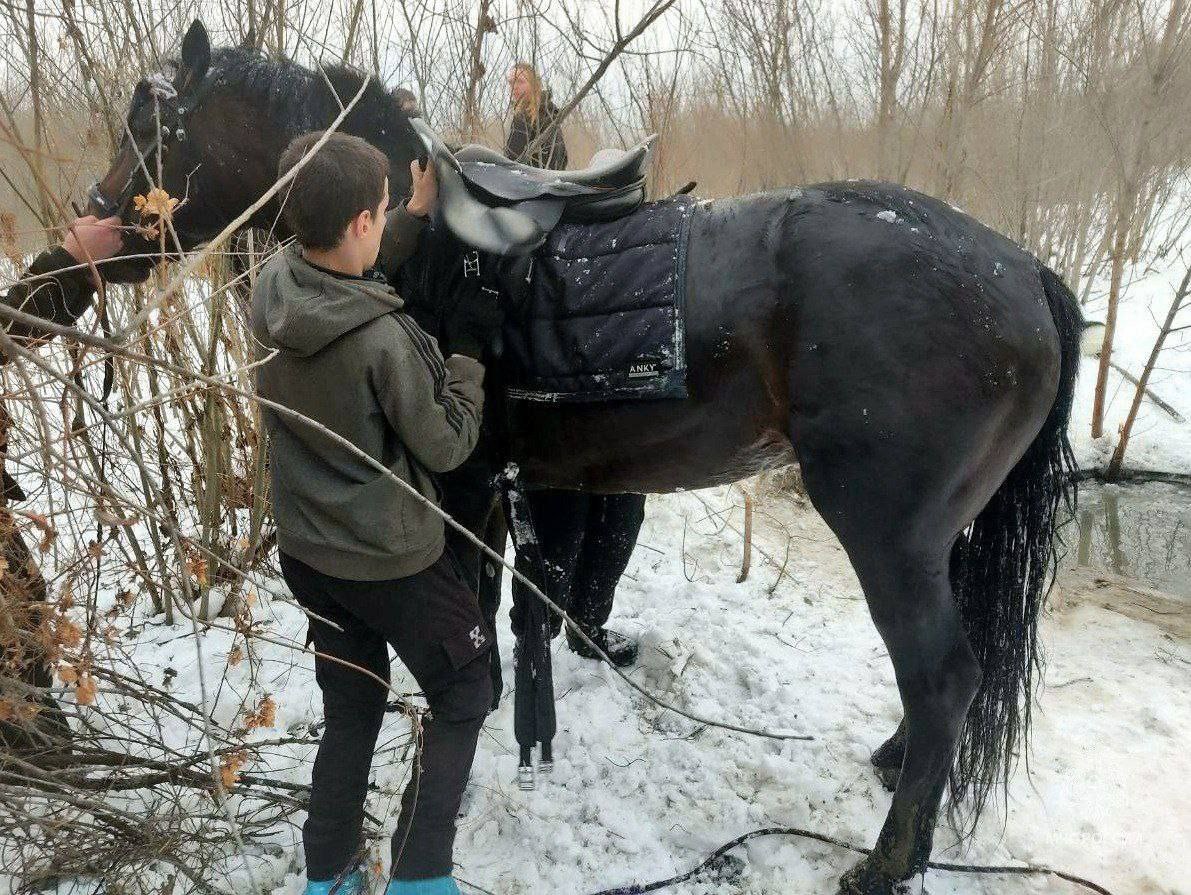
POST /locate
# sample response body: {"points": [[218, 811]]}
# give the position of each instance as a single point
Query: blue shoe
{"points": [[440, 885], [352, 884]]}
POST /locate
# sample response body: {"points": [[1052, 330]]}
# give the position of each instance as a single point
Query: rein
{"points": [[717, 865]]}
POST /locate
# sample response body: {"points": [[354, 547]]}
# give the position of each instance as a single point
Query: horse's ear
{"points": [[196, 57]]}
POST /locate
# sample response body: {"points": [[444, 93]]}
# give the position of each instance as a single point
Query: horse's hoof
{"points": [[888, 776], [864, 879]]}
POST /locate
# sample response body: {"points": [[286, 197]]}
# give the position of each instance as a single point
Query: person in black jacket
{"points": [[586, 540], [533, 137], [59, 285]]}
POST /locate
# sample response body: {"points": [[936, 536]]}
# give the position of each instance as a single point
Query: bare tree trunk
{"points": [[279, 30], [747, 560], [35, 95], [251, 34], [485, 24], [1118, 455], [352, 25], [891, 58], [375, 43], [1121, 230]]}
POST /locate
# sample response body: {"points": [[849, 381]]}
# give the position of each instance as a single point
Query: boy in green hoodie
{"points": [[356, 547]]}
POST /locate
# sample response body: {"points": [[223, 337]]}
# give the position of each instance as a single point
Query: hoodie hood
{"points": [[301, 309]]}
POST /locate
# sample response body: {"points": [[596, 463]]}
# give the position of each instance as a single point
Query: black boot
{"points": [[620, 649]]}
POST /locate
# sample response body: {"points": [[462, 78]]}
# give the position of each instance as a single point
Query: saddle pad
{"points": [[602, 317]]}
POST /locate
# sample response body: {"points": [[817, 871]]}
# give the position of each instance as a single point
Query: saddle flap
{"points": [[500, 230]]}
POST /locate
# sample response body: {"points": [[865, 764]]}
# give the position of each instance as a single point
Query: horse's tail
{"points": [[1001, 569]]}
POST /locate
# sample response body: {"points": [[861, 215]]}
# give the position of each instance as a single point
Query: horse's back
{"points": [[863, 314]]}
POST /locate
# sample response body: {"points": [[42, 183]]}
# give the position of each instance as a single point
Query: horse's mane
{"points": [[299, 99]]}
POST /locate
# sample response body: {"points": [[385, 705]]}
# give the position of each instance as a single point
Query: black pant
{"points": [[433, 622], [586, 541]]}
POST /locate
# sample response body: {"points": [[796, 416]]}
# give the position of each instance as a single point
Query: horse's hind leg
{"points": [[909, 595], [887, 758], [898, 539]]}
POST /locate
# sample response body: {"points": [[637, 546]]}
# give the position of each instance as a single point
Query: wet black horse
{"points": [[918, 366]]}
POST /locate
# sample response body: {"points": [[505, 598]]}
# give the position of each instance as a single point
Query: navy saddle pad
{"points": [[601, 316]]}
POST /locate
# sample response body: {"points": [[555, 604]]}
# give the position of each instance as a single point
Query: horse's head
{"points": [[210, 130], [161, 146]]}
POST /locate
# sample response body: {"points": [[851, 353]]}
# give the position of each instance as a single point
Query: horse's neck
{"points": [[374, 131]]}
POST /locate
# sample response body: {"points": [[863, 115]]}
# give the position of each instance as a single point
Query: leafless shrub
{"points": [[1066, 125]]}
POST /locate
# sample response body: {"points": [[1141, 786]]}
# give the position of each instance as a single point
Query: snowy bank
{"points": [[1158, 442]]}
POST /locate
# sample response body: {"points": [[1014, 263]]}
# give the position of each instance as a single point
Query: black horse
{"points": [[918, 366]]}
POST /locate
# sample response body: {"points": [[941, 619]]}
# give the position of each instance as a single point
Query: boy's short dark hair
{"points": [[346, 176]]}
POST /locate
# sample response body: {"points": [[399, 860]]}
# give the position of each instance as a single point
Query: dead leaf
{"points": [[85, 692], [264, 715], [8, 230], [229, 769], [114, 521], [67, 633], [158, 203], [197, 566]]}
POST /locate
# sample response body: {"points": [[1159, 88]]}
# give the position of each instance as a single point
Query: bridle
{"points": [[172, 119]]}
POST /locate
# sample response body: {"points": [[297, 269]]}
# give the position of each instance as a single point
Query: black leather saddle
{"points": [[507, 208]]}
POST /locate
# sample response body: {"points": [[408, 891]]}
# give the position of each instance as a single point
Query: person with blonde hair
{"points": [[534, 114], [586, 540]]}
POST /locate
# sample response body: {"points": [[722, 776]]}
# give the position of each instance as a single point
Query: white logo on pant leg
{"points": [[471, 264], [477, 637]]}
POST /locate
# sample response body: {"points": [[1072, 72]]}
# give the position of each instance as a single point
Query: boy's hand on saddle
{"points": [[88, 238], [424, 192], [474, 322]]}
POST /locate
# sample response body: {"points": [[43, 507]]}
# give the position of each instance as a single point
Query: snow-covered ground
{"points": [[641, 794]]}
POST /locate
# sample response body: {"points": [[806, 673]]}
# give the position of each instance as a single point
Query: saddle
{"points": [[504, 207]]}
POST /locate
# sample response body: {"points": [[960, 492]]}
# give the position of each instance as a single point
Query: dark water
{"points": [[1138, 531]]}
